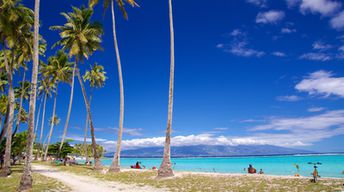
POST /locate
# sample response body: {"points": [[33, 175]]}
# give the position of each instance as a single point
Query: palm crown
{"points": [[79, 36], [96, 76]]}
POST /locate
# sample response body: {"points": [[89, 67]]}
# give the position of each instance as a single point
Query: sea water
{"points": [[332, 165]]}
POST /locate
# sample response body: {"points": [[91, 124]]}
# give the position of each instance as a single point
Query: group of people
{"points": [[252, 170]]}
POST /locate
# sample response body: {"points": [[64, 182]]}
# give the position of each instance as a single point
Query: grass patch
{"points": [[40, 182], [197, 182]]}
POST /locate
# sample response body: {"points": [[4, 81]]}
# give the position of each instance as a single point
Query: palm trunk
{"points": [[115, 166], [20, 105], [36, 125], [69, 109], [26, 179], [165, 169], [6, 169], [40, 147], [85, 134], [51, 127], [4, 127], [97, 164]]}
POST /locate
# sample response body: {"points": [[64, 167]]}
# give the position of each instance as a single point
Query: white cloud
{"points": [[239, 45], [279, 54], [316, 56], [292, 3], [220, 45], [287, 30], [221, 129], [324, 7], [319, 45], [337, 22], [272, 17], [128, 131], [289, 98], [259, 3], [322, 83], [241, 49], [315, 109]]}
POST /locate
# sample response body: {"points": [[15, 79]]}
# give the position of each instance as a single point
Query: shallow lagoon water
{"points": [[332, 165]]}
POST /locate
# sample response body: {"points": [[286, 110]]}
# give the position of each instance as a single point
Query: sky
{"points": [[248, 72]]}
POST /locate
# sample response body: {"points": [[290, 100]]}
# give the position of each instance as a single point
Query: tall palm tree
{"points": [[46, 88], [81, 37], [23, 94], [115, 166], [26, 179], [165, 169], [15, 25], [96, 77], [54, 121], [59, 69]]}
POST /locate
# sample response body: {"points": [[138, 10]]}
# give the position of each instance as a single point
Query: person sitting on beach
{"points": [[261, 172], [136, 166], [251, 170]]}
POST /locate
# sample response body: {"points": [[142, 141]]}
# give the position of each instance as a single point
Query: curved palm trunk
{"points": [[115, 166], [51, 128], [97, 164], [69, 109], [6, 169], [85, 135], [26, 179], [165, 169], [36, 125], [40, 147], [20, 105]]}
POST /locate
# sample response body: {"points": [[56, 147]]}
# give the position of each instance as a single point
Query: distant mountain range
{"points": [[211, 151]]}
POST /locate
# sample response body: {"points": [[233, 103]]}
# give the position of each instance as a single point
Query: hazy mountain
{"points": [[211, 150]]}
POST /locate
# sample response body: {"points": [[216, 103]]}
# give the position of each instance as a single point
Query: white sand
{"points": [[89, 184]]}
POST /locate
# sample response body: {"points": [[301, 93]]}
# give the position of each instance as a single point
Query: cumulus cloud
{"points": [[337, 22], [270, 17], [323, 7], [315, 109], [292, 3], [259, 3], [316, 56], [278, 54], [322, 83], [289, 98]]}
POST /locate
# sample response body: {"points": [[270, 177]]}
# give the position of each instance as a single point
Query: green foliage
{"points": [[19, 143], [79, 149], [96, 76], [54, 149]]}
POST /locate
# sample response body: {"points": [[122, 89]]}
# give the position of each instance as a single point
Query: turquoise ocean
{"points": [[332, 165]]}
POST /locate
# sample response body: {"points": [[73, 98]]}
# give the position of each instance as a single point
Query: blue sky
{"points": [[247, 72]]}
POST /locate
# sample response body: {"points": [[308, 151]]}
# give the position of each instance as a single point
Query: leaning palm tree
{"points": [[96, 77], [165, 169], [23, 94], [26, 179], [58, 69], [54, 121], [115, 166], [81, 37]]}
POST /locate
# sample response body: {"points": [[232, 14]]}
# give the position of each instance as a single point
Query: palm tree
{"points": [[115, 166], [26, 179], [96, 77], [22, 93], [54, 121], [46, 88], [58, 69], [15, 25], [165, 169], [81, 38], [3, 112]]}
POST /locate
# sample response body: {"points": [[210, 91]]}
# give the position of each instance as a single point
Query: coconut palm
{"points": [[81, 37], [15, 25], [54, 121], [96, 77], [58, 69], [26, 179], [165, 169], [115, 166], [23, 93], [3, 112], [46, 88]]}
